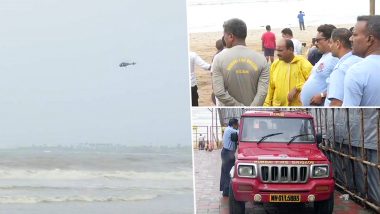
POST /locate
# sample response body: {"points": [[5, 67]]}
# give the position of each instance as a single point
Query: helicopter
{"points": [[125, 64]]}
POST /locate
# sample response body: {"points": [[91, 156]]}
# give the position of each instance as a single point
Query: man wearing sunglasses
{"points": [[362, 81], [314, 90]]}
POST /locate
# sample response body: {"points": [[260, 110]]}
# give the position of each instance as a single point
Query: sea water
{"points": [[64, 180], [209, 15]]}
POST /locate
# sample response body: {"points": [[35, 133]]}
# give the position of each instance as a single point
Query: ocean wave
{"points": [[160, 189], [60, 199], [58, 174]]}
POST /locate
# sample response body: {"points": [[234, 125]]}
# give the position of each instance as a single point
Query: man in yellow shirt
{"points": [[287, 75]]}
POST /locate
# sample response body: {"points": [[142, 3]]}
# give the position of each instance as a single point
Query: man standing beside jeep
{"points": [[228, 155]]}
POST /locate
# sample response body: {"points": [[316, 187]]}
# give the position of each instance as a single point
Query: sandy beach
{"points": [[204, 44]]}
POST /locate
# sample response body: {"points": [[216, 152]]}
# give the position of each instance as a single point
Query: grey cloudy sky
{"points": [[60, 82]]}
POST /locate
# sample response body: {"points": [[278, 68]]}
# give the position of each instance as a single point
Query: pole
{"points": [[216, 128], [364, 154], [371, 7], [212, 123]]}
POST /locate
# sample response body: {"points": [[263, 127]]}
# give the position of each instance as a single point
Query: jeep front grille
{"points": [[284, 174]]}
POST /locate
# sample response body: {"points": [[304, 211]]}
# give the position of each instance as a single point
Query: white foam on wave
{"points": [[60, 199], [58, 174], [161, 189]]}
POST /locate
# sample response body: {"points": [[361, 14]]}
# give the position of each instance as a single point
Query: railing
{"points": [[214, 136], [351, 140]]}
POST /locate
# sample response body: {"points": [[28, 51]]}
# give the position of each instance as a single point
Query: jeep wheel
{"points": [[236, 207], [324, 207]]}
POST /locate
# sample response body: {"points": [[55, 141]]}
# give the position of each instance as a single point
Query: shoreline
{"points": [[262, 27]]}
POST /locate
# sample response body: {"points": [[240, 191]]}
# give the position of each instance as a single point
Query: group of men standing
{"points": [[345, 74]]}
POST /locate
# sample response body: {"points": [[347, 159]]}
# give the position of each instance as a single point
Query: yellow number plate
{"points": [[284, 198], [278, 114]]}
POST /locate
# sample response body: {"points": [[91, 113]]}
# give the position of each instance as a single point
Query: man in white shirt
{"points": [[196, 60], [287, 33], [315, 88], [362, 81], [340, 46]]}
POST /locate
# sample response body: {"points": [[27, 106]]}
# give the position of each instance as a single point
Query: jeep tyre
{"points": [[324, 207], [236, 207]]}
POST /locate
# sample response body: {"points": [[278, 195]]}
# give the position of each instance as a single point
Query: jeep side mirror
{"points": [[319, 138]]}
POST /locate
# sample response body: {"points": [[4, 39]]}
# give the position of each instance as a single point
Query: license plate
{"points": [[284, 198]]}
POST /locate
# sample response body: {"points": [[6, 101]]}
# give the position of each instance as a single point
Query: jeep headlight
{"points": [[247, 170], [320, 171]]}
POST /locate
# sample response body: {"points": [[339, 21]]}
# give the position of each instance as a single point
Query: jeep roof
{"points": [[277, 113]]}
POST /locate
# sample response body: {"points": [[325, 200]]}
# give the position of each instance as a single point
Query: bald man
{"points": [[287, 76]]}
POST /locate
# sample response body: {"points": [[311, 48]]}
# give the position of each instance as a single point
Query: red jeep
{"points": [[278, 161]]}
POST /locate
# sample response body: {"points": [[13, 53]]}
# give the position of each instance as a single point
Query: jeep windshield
{"points": [[292, 130]]}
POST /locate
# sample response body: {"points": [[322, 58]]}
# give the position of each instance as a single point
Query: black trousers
{"points": [[194, 96], [228, 161]]}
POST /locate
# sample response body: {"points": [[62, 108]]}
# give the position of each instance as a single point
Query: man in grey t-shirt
{"points": [[240, 75]]}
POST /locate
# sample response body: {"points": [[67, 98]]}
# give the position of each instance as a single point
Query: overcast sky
{"points": [[60, 82]]}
